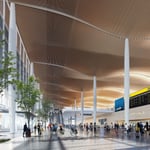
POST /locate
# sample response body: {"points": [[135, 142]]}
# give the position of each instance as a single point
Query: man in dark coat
{"points": [[24, 129]]}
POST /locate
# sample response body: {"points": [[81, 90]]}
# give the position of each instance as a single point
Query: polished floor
{"points": [[83, 141]]}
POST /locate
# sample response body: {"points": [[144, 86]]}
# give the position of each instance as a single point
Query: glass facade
{"points": [[23, 69]]}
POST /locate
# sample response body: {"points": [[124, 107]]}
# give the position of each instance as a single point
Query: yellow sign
{"points": [[140, 91]]}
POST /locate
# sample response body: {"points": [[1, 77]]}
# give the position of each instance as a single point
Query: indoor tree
{"points": [[44, 113], [8, 72], [28, 95]]}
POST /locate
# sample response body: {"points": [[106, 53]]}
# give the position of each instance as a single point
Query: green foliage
{"points": [[28, 95], [4, 140], [46, 107], [8, 72]]}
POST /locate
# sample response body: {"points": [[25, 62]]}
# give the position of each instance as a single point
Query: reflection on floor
{"points": [[82, 141]]}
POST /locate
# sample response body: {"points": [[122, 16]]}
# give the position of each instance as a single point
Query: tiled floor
{"points": [[81, 142]]}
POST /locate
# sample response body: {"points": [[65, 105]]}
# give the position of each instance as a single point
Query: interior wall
{"points": [[135, 114]]}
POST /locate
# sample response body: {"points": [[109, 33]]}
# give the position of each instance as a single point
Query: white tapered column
{"points": [[82, 107], [32, 69], [126, 80], [4, 15], [12, 45], [75, 115], [94, 99]]}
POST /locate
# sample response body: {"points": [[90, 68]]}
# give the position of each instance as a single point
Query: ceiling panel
{"points": [[69, 42]]}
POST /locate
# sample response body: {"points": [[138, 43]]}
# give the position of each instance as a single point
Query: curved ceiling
{"points": [[69, 42]]}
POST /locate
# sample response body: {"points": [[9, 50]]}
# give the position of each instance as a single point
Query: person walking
{"points": [[39, 129], [35, 129], [24, 129]]}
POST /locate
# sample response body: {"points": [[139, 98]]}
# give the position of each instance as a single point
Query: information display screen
{"points": [[140, 100]]}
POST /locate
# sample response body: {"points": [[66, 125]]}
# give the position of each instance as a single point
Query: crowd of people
{"points": [[37, 130], [138, 128], [88, 127]]}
